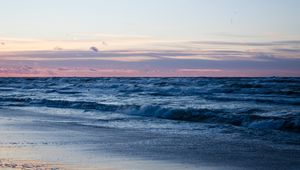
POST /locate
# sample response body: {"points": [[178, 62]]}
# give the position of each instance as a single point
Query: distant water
{"points": [[161, 103]]}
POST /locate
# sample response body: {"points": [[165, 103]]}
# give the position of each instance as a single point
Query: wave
{"points": [[274, 100], [62, 92], [246, 117], [242, 118], [182, 98]]}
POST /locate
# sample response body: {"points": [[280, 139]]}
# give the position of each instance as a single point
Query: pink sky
{"points": [[149, 58], [149, 38]]}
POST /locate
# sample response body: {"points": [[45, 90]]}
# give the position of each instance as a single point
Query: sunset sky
{"points": [[149, 38]]}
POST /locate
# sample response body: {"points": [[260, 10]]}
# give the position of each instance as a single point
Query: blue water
{"points": [[261, 104]]}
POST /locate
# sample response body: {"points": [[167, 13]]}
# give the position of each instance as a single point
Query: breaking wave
{"points": [[256, 103]]}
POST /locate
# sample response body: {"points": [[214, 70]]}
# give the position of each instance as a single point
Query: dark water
{"points": [[162, 103]]}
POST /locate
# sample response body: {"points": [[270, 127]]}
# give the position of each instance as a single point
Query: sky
{"points": [[103, 38]]}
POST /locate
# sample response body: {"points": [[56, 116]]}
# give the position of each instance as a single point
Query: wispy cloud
{"points": [[205, 50], [195, 58]]}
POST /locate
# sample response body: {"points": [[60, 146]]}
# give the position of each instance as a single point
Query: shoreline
{"points": [[71, 146]]}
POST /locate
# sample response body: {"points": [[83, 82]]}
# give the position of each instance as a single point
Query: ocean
{"points": [[151, 123], [267, 108]]}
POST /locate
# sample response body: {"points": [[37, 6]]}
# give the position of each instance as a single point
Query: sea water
{"points": [[178, 105]]}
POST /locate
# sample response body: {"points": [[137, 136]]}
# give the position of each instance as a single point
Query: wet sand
{"points": [[28, 141], [28, 165]]}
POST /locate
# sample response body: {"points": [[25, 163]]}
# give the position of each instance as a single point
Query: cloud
{"points": [[228, 43], [164, 67], [20, 70], [187, 58], [141, 56], [199, 70], [57, 48], [95, 49], [288, 50]]}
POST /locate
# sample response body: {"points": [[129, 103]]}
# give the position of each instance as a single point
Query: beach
{"points": [[149, 123], [31, 144]]}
